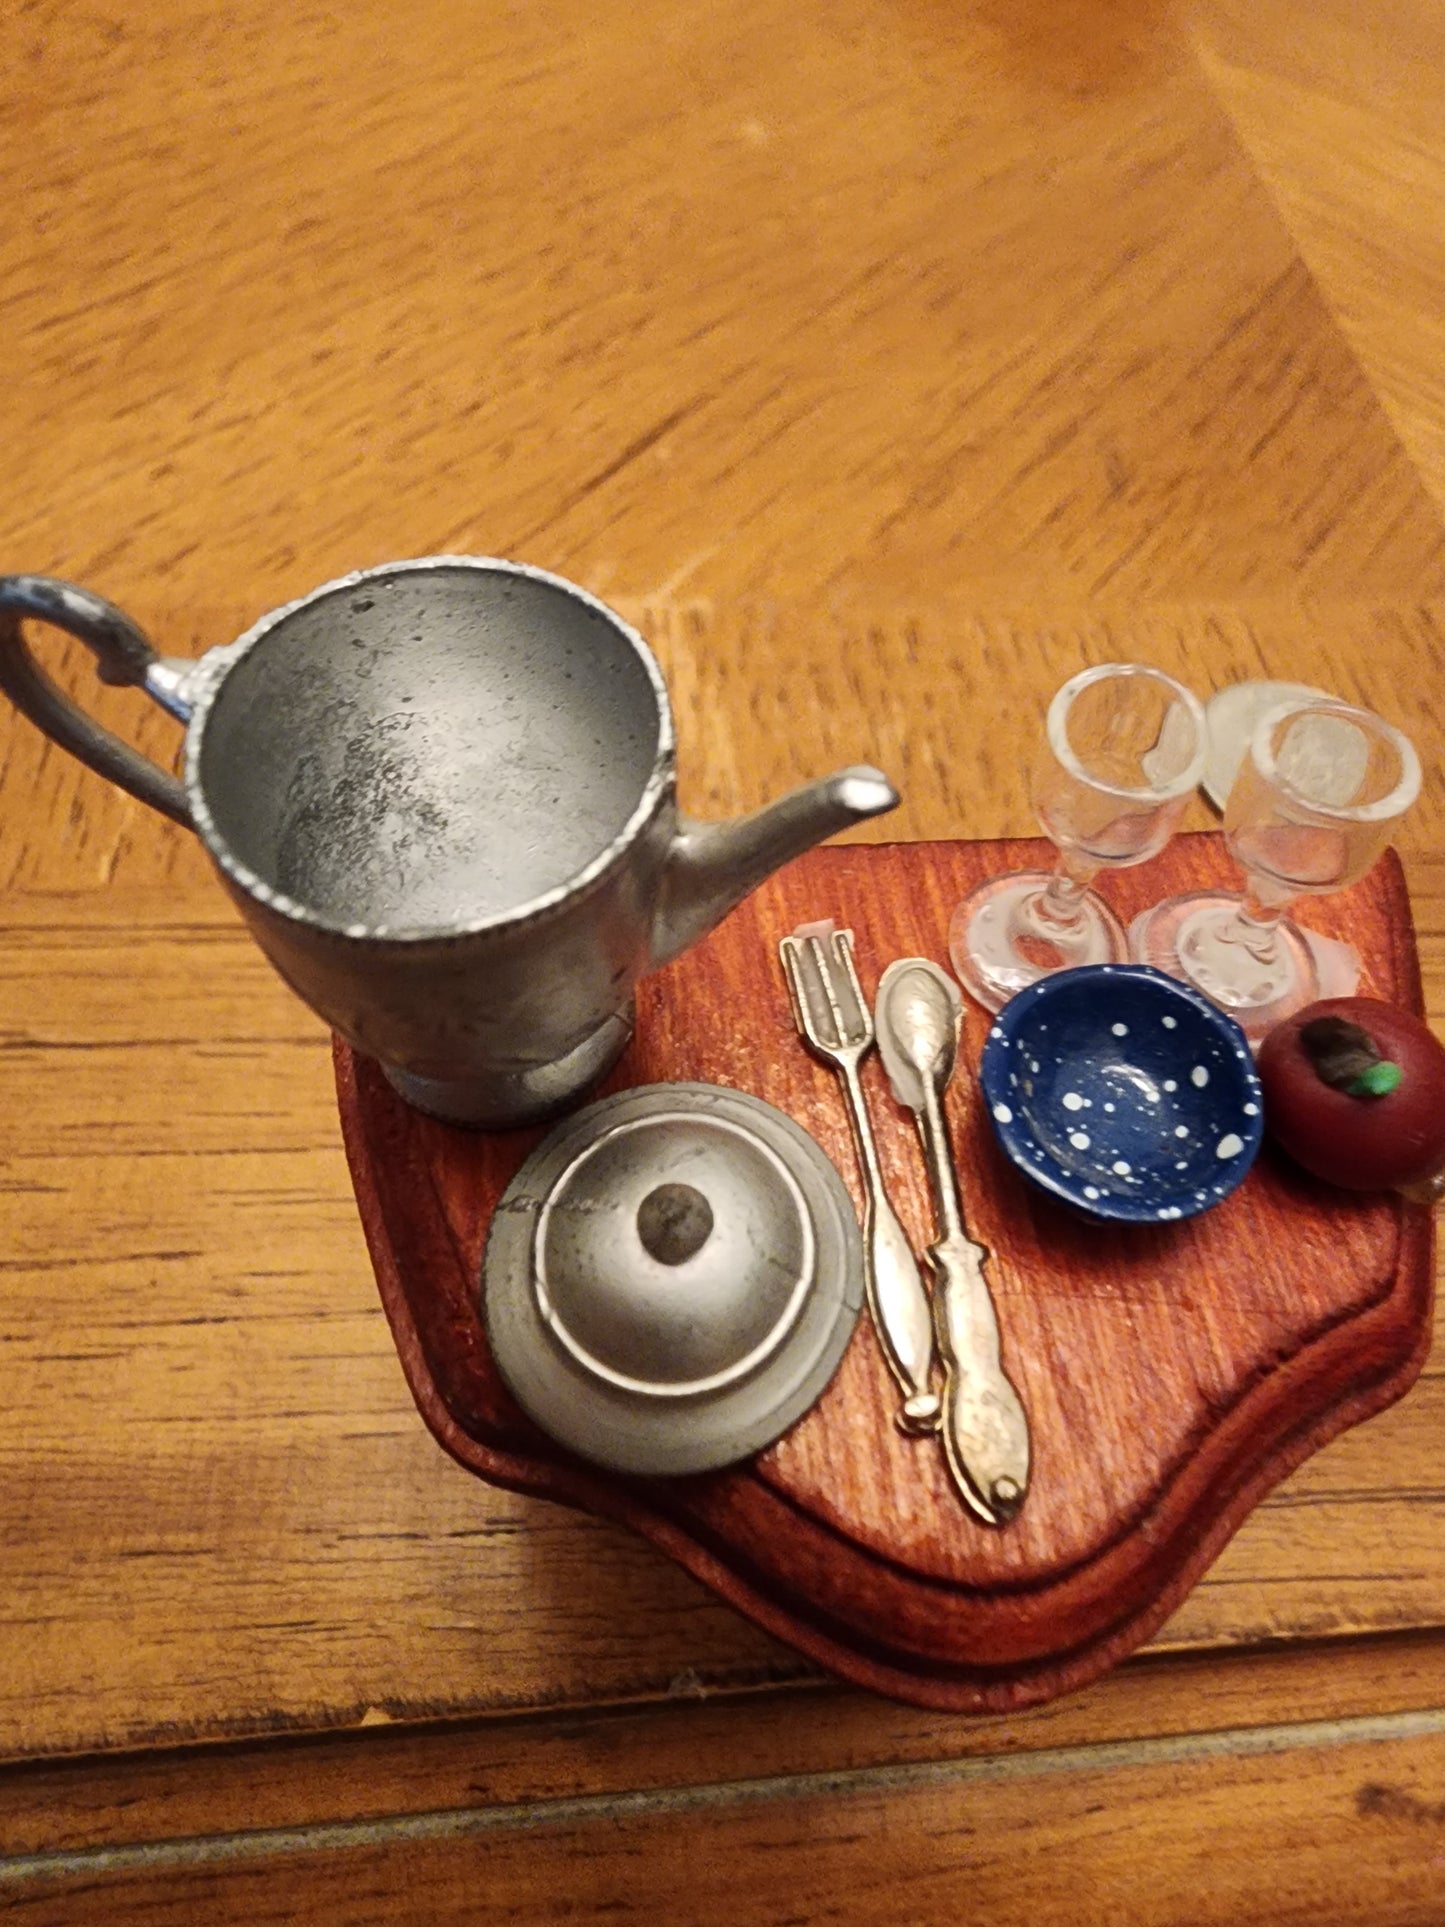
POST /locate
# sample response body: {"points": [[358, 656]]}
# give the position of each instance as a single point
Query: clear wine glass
{"points": [[1125, 751], [1319, 791]]}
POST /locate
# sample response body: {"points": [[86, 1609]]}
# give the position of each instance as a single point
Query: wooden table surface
{"points": [[886, 362]]}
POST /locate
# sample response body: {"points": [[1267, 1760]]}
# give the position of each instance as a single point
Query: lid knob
{"points": [[674, 1222]]}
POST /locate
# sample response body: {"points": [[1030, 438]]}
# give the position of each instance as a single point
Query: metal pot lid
{"points": [[671, 1278]]}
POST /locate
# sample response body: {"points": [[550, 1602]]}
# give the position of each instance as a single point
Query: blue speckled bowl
{"points": [[1123, 1092]]}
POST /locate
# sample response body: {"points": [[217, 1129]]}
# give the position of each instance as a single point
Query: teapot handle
{"points": [[123, 656]]}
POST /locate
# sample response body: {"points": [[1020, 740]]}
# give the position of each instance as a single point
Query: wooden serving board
{"points": [[1172, 1374]]}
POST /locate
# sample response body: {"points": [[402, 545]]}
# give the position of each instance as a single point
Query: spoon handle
{"points": [[985, 1433]]}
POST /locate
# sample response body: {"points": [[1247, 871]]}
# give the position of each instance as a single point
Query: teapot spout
{"points": [[712, 866]]}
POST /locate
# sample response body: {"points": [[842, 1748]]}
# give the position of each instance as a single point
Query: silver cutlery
{"points": [[985, 1432]]}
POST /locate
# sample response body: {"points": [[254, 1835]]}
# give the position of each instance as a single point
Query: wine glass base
{"points": [[997, 950], [1195, 938]]}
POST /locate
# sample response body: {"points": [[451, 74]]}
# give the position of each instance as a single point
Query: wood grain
{"points": [[694, 1739], [888, 366], [1297, 1825], [684, 329], [1362, 87]]}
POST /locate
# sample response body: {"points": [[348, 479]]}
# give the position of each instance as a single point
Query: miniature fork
{"points": [[835, 1022]]}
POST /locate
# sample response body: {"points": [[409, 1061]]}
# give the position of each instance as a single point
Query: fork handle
{"points": [[897, 1296], [904, 1319]]}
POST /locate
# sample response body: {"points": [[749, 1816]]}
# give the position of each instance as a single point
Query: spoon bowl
{"points": [[917, 1022]]}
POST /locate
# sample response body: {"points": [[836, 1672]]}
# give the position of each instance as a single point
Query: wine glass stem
{"points": [[1060, 904], [1256, 925]]}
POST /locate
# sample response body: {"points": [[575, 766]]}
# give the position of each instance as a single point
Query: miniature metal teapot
{"points": [[443, 795]]}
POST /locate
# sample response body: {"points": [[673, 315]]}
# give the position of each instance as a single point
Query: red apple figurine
{"points": [[1354, 1090]]}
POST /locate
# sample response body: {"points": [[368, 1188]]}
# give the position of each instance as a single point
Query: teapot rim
{"points": [[205, 681]]}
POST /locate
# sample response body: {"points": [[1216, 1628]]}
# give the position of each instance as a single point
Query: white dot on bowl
{"points": [[1079, 1140], [1171, 1023], [1072, 1101], [996, 1032], [1181, 1130], [1170, 1211], [1170, 1084], [1251, 1110], [1229, 1147], [1120, 1030], [1121, 1167], [1003, 1113], [1151, 1095], [1199, 1077], [1091, 1191], [1033, 1066], [1108, 1107], [1182, 1165]]}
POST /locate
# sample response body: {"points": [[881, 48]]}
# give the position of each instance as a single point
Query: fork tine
{"points": [[842, 989], [808, 989], [808, 994], [829, 986], [827, 999], [843, 944], [792, 964]]}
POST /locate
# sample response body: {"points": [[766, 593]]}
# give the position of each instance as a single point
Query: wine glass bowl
{"points": [[1317, 795], [1124, 751]]}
